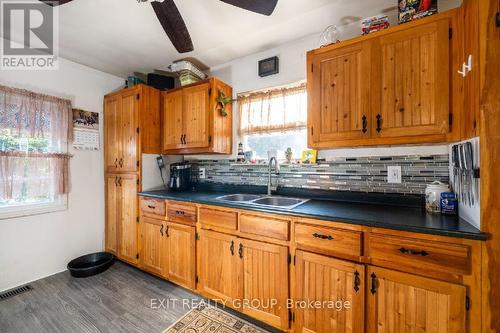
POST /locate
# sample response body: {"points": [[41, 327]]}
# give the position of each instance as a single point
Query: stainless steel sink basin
{"points": [[279, 202], [263, 201], [239, 197]]}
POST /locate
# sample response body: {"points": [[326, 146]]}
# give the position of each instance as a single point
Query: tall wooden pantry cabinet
{"points": [[131, 128]]}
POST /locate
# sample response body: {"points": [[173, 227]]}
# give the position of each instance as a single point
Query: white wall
{"points": [[36, 246]]}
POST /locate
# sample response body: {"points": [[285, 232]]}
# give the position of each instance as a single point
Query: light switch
{"points": [[394, 174], [202, 173]]}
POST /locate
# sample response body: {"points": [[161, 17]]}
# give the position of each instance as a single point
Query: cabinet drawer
{"points": [[181, 213], [218, 219], [265, 226], [150, 206], [328, 240], [419, 256]]}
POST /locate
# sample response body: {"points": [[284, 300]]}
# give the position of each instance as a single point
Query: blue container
{"points": [[449, 203]]}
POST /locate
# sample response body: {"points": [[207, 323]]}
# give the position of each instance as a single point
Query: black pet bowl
{"points": [[90, 264]]}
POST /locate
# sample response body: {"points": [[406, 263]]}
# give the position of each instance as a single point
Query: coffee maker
{"points": [[180, 176]]}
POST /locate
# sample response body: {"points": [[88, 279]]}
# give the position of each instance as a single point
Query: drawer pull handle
{"points": [[161, 230], [373, 289], [179, 212], [151, 207], [413, 252], [327, 237], [166, 231], [357, 281], [231, 248]]}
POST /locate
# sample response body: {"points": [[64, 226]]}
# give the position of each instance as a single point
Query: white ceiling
{"points": [[123, 36]]}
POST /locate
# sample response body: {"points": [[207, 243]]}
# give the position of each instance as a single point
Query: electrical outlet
{"points": [[202, 173], [394, 174]]}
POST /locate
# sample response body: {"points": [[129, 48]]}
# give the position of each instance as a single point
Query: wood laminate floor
{"points": [[118, 300]]}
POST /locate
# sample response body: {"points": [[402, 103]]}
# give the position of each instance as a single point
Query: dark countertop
{"points": [[397, 217]]}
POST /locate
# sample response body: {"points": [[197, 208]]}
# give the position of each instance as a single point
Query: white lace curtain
{"points": [[276, 110], [34, 133]]}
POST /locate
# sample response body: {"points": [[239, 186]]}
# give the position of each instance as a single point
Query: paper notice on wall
{"points": [[85, 130]]}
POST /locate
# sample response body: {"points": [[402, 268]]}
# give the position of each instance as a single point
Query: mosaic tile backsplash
{"points": [[361, 174]]}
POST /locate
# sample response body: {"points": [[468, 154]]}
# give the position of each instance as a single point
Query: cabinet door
{"points": [[112, 144], [172, 120], [127, 230], [339, 94], [399, 302], [265, 281], [324, 279], [180, 264], [195, 116], [412, 82], [128, 132], [112, 213], [153, 245], [219, 265]]}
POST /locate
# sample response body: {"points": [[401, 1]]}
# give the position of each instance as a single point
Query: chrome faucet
{"points": [[270, 187]]}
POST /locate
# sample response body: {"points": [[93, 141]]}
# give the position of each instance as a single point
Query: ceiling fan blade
{"points": [[54, 3], [264, 7], [173, 24]]}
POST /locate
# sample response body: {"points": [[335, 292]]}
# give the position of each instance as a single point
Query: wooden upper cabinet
{"points": [[339, 92], [131, 126], [389, 87], [399, 302], [412, 85], [322, 279], [112, 133], [172, 120], [128, 132], [192, 121], [195, 116]]}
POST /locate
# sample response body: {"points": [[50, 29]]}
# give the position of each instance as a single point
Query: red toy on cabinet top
{"points": [[410, 10]]}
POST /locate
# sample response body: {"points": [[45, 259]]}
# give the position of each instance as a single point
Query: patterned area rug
{"points": [[209, 319]]}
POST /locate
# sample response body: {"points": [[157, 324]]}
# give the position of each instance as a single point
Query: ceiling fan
{"points": [[171, 19]]}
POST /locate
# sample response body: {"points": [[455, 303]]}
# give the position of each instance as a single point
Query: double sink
{"points": [[263, 200]]}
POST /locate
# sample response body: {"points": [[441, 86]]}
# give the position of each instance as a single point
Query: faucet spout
{"points": [[270, 187]]}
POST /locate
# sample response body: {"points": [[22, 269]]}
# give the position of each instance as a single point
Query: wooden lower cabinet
{"points": [[399, 302], [220, 273], [168, 250], [180, 256], [121, 216], [128, 249], [265, 281], [152, 256], [323, 279], [250, 276], [112, 212]]}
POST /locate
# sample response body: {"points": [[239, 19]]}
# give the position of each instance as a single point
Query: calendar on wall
{"points": [[85, 130]]}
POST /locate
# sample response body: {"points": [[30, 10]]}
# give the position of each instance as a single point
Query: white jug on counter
{"points": [[433, 196]]}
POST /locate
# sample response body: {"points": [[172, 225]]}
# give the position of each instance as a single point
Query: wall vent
{"points": [[15, 292]]}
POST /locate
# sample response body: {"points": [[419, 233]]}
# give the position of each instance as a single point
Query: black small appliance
{"points": [[180, 176]]}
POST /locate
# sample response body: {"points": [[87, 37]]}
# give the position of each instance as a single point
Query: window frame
{"points": [[29, 209]]}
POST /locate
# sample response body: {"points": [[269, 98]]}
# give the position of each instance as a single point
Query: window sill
{"points": [[33, 209]]}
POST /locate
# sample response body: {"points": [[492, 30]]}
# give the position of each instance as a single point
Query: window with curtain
{"points": [[34, 162], [275, 119]]}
